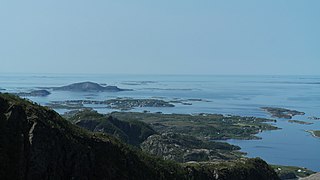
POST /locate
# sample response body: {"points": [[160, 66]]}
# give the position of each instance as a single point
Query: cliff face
{"points": [[36, 143]]}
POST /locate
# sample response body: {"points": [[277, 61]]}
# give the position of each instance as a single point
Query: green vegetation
{"points": [[184, 148], [129, 103], [202, 126], [36, 143], [299, 122], [291, 172], [118, 103], [315, 133], [282, 112], [131, 131], [236, 170], [170, 146]]}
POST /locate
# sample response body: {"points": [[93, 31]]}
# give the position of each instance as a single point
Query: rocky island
{"points": [[89, 86], [282, 112], [37, 143]]}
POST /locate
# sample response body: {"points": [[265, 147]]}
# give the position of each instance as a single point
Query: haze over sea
{"points": [[235, 95]]}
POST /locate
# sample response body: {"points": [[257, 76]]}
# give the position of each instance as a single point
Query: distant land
{"points": [[34, 93], [282, 112], [89, 86], [300, 122]]}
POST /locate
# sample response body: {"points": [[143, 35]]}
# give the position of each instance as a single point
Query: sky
{"points": [[247, 37]]}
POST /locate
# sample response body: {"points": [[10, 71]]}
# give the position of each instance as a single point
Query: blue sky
{"points": [[160, 37]]}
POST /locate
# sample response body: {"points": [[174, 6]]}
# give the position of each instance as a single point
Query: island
{"points": [[40, 93], [314, 118], [203, 126], [136, 83], [315, 133], [89, 86], [282, 112], [117, 103], [300, 122]]}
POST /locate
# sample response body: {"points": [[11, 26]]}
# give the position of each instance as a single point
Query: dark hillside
{"points": [[36, 143]]}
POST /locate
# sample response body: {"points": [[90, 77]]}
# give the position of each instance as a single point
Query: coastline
{"points": [[312, 133]]}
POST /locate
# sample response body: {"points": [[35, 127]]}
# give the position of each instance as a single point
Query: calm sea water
{"points": [[236, 95]]}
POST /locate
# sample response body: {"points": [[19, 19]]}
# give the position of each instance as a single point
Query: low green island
{"points": [[282, 112], [117, 103], [121, 103], [315, 133], [300, 122]]}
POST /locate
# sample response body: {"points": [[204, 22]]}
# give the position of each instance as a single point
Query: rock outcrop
{"points": [[315, 176], [184, 148]]}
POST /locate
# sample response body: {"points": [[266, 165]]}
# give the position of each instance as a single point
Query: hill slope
{"points": [[131, 132], [36, 143], [88, 86]]}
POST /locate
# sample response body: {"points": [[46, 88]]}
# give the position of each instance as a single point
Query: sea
{"points": [[221, 94]]}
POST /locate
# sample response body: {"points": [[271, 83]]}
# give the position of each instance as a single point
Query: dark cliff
{"points": [[36, 143]]}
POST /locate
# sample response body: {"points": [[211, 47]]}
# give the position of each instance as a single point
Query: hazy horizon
{"points": [[166, 37]]}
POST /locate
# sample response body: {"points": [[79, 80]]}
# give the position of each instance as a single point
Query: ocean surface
{"points": [[235, 95]]}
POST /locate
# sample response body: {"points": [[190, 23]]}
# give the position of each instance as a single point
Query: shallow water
{"points": [[236, 95]]}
